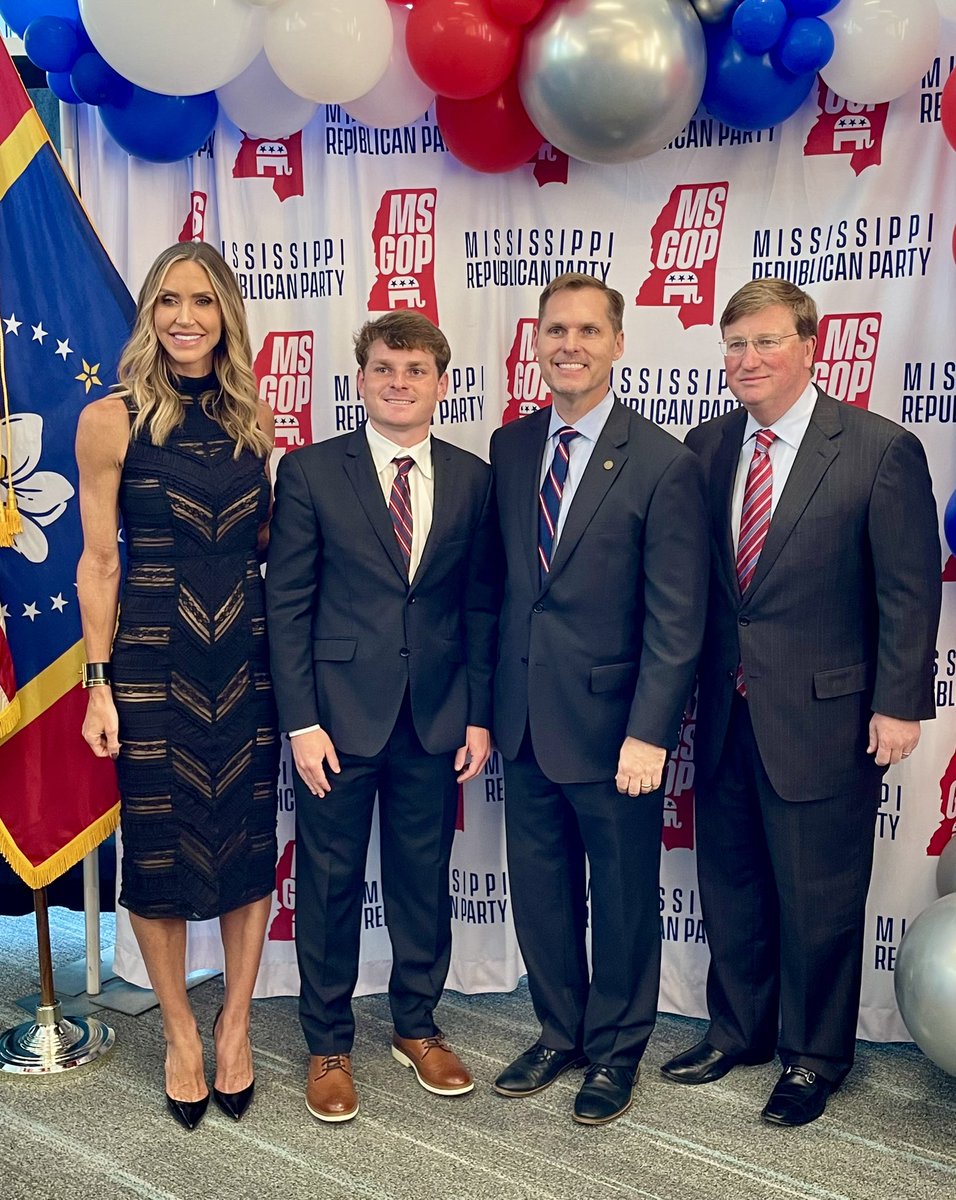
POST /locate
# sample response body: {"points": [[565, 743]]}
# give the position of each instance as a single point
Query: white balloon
{"points": [[176, 47], [399, 98], [330, 51], [262, 3], [261, 105], [947, 9], [882, 48]]}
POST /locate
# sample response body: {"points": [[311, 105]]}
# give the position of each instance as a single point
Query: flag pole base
{"points": [[53, 1043]]}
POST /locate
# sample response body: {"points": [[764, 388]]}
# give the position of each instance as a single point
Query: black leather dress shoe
{"points": [[604, 1095], [536, 1069], [704, 1063], [799, 1097]]}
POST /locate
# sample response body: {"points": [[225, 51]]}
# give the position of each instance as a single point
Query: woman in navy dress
{"points": [[179, 689]]}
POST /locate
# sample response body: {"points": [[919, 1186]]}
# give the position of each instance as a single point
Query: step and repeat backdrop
{"points": [[855, 203]]}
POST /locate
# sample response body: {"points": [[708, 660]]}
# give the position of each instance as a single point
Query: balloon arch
{"points": [[606, 81]]}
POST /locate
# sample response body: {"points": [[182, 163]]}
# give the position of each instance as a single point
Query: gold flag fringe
{"points": [[42, 874], [10, 716], [11, 522]]}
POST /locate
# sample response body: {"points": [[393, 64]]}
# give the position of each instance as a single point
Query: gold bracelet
{"points": [[96, 674]]}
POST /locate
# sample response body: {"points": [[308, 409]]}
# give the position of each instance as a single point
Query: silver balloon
{"points": [[608, 81], [713, 11], [946, 869], [925, 979]]}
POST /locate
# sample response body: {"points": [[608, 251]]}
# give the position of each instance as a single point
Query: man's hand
{"points": [[312, 751], [474, 754], [892, 739], [640, 767]]}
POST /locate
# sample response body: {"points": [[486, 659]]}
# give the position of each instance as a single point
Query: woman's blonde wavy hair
{"points": [[146, 373]]}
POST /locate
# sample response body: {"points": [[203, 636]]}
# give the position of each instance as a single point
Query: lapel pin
{"points": [[608, 464]]}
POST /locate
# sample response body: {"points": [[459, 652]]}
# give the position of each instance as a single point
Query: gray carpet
{"points": [[102, 1133]]}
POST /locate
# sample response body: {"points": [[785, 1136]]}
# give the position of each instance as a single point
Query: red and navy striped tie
{"points": [[754, 520], [400, 507], [550, 498]]}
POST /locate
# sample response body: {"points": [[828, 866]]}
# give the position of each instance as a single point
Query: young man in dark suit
{"points": [[381, 632], [604, 529], [816, 670]]}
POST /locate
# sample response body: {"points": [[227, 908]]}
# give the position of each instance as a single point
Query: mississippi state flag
{"points": [[64, 315]]}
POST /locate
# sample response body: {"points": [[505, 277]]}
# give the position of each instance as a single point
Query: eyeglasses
{"points": [[767, 344]]}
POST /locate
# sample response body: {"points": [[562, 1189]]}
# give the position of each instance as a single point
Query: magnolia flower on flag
{"points": [[42, 496]]}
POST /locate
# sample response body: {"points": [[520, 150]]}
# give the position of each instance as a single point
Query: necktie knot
{"points": [[566, 435], [403, 465], [765, 439]]}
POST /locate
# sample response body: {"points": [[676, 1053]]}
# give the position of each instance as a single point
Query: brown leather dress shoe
{"points": [[437, 1067], [330, 1093]]}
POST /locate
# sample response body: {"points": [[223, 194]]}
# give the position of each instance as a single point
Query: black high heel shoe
{"points": [[187, 1112], [233, 1104]]}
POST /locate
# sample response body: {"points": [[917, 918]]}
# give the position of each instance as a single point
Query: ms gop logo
{"points": [[403, 239], [846, 355], [685, 242], [283, 368], [849, 129], [526, 390]]}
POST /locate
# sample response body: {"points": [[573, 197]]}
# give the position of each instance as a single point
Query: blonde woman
{"points": [[181, 697]]}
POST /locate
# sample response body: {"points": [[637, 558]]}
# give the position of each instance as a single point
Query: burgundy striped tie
{"points": [[400, 507], [754, 520]]}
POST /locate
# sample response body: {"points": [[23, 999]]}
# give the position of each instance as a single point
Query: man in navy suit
{"points": [[816, 670], [604, 529], [381, 630]]}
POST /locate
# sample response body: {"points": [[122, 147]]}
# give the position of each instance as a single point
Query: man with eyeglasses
{"points": [[816, 671]]}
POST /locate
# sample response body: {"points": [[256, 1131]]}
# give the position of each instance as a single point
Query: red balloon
{"points": [[518, 12], [458, 48], [492, 133], [954, 243], [947, 108]]}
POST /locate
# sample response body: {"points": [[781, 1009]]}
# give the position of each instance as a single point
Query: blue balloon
{"points": [[810, 8], [59, 84], [806, 46], [744, 90], [161, 129], [52, 43], [949, 523], [19, 13], [95, 81], [758, 24]]}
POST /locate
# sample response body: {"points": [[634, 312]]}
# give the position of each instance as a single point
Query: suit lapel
{"points": [[443, 480], [604, 466], [361, 473], [522, 498], [723, 474], [814, 458]]}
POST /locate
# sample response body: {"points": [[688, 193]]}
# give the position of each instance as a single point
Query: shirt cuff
{"points": [[307, 729]]}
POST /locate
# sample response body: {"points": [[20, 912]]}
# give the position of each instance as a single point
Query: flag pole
{"points": [[51, 1043], [69, 156]]}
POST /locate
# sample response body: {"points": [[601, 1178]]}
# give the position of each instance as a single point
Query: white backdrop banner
{"points": [[856, 203]]}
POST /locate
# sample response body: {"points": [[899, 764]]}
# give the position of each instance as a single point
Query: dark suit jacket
{"points": [[840, 618], [347, 634], [607, 646]]}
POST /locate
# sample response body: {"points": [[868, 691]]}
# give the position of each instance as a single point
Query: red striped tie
{"points": [[400, 507], [754, 520]]}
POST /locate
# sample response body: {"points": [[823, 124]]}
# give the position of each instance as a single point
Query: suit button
{"points": [[524, 661], [731, 674], [743, 621], [404, 652], [413, 600], [538, 608]]}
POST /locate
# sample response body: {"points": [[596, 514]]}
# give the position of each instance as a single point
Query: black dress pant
{"points": [[608, 1012], [783, 888], [418, 799]]}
